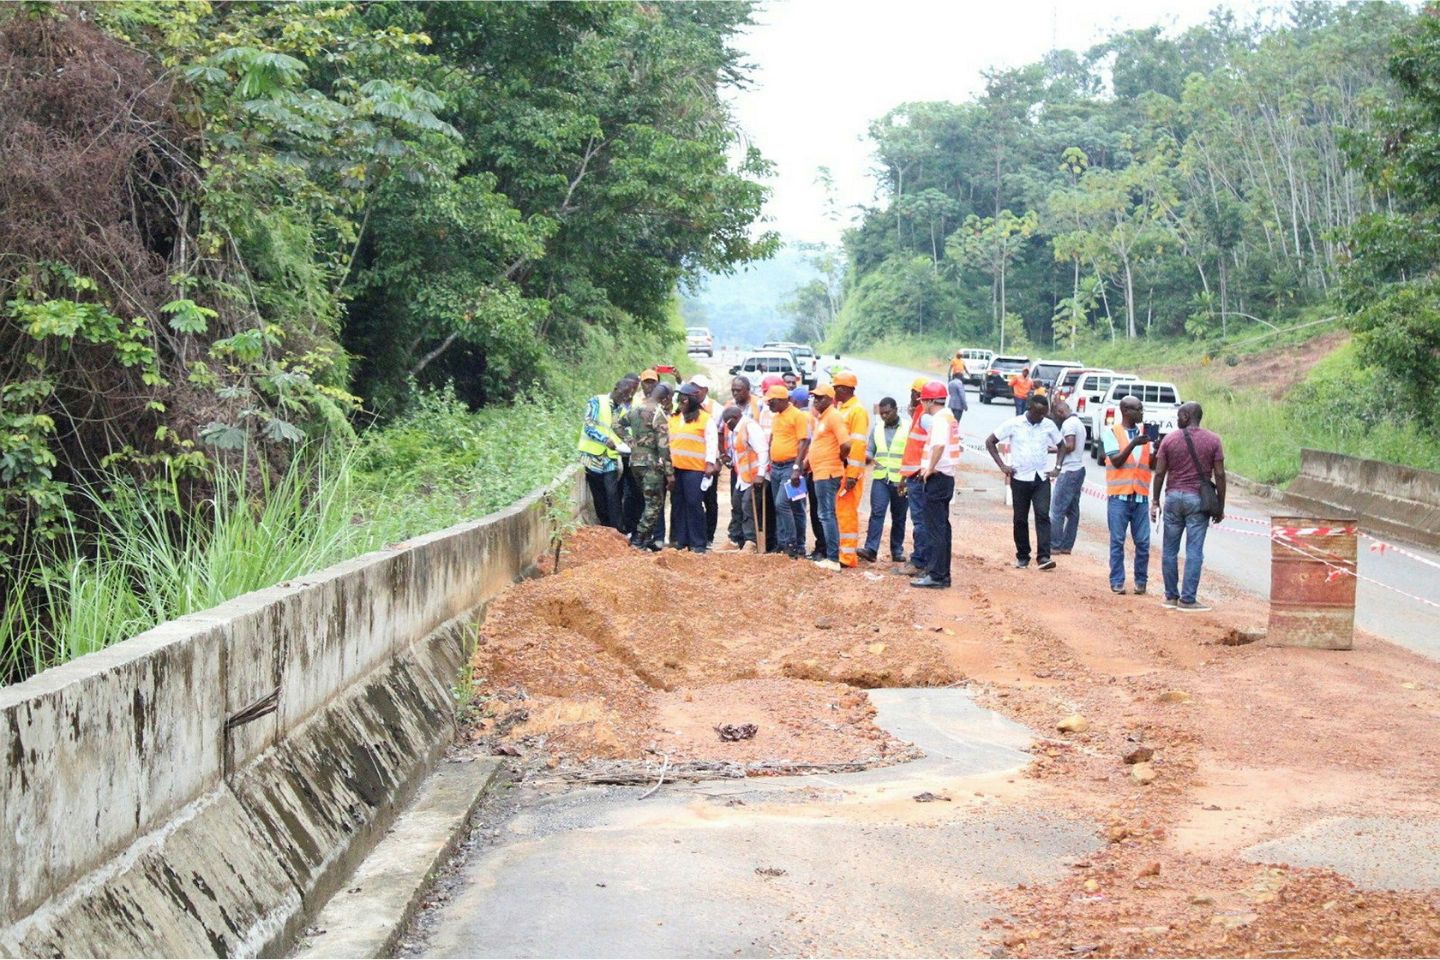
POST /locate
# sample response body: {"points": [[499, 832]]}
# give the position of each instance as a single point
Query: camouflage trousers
{"points": [[652, 485]]}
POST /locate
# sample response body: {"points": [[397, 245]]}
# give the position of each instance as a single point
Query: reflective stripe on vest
{"points": [[594, 447], [747, 458], [1135, 476], [887, 455], [914, 444], [687, 441]]}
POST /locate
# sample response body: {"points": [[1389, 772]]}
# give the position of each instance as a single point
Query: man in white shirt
{"points": [[939, 460], [1065, 499], [1035, 454]]}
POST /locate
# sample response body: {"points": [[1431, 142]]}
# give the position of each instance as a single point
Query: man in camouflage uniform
{"points": [[649, 431]]}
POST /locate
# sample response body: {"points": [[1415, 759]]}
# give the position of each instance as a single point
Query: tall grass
{"points": [[143, 557], [148, 558], [1340, 406]]}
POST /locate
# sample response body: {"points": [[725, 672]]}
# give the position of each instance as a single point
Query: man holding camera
{"points": [[1129, 469]]}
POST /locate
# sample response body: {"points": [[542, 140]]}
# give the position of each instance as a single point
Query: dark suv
{"points": [[997, 378]]}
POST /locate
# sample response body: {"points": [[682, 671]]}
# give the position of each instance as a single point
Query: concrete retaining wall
{"points": [[1390, 500], [200, 789]]}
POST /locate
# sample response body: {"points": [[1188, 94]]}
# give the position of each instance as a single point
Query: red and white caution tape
{"points": [[1339, 571], [1315, 531], [1380, 548]]}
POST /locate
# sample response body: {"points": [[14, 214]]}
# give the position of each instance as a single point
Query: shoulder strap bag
{"points": [[1209, 497]]}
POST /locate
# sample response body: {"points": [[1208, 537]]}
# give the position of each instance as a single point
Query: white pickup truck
{"points": [[1161, 401]]}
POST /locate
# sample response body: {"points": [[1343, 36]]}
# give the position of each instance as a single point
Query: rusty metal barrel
{"points": [[1312, 582]]}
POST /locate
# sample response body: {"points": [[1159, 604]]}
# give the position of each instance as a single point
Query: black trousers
{"points": [[938, 491], [605, 492], [736, 530], [1028, 495], [632, 498], [712, 510]]}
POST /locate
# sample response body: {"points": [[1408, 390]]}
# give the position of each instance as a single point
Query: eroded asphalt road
{"points": [[842, 865]]}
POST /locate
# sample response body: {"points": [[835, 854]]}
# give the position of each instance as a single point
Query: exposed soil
{"points": [[623, 654], [1273, 372], [1250, 742], [629, 656]]}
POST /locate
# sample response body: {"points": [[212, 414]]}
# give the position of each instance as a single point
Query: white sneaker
{"points": [[828, 564], [748, 547]]}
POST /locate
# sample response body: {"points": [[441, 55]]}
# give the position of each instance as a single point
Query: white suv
{"points": [[1161, 401], [699, 340]]}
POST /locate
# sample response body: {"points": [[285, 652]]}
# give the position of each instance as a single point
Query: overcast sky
{"points": [[823, 69]]}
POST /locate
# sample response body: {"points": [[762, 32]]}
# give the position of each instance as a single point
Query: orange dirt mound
{"points": [[597, 657], [586, 545]]}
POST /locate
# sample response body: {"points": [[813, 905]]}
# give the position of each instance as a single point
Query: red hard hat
{"points": [[771, 380], [934, 390]]}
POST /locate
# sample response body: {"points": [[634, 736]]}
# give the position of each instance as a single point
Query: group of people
{"points": [[796, 456], [1046, 473]]}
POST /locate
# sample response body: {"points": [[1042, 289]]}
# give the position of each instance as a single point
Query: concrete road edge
{"points": [[372, 909]]}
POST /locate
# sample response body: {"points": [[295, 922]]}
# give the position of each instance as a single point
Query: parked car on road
{"points": [[804, 353], [1161, 400], [1046, 372], [998, 376], [761, 362], [699, 340], [1085, 387], [976, 362]]}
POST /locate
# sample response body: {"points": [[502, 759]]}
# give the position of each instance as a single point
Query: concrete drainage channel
{"points": [[203, 788], [724, 867]]}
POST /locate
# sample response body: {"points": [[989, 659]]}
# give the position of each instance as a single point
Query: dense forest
{"points": [[1155, 185], [234, 234]]}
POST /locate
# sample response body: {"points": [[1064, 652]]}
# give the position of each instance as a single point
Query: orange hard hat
{"points": [[777, 392], [824, 390], [934, 390], [845, 378]]}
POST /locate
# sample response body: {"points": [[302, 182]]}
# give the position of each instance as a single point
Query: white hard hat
{"points": [[701, 381]]}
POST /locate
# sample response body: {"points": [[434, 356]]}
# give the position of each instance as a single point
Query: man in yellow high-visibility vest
{"points": [[887, 489], [600, 446]]}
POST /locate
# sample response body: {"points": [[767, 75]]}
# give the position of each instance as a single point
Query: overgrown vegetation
{"points": [[1152, 186], [230, 233], [1172, 200]]}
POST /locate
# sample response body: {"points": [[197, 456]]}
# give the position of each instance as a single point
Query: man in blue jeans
{"points": [[1187, 456], [1065, 499], [1129, 471]]}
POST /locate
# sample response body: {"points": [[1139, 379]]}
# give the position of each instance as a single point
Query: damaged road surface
{"points": [[992, 770], [773, 865]]}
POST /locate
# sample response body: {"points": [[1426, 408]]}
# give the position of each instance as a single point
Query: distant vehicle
{"points": [[699, 340], [1083, 386], [1065, 385], [1161, 401], [998, 375], [976, 362], [761, 362], [1046, 372], [804, 353]]}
